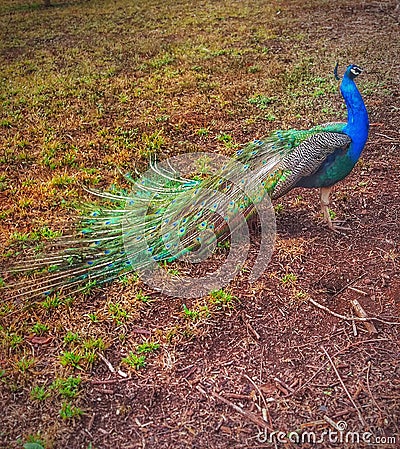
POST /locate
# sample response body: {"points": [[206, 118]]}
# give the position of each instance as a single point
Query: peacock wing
{"points": [[308, 157]]}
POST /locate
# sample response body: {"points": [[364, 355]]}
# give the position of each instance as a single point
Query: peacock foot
{"points": [[337, 226]]}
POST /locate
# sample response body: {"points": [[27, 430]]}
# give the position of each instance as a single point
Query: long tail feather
{"points": [[165, 217]]}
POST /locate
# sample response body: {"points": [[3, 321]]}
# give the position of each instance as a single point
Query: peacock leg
{"points": [[324, 196]]}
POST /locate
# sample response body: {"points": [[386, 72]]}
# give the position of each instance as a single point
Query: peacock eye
{"points": [[356, 70]]}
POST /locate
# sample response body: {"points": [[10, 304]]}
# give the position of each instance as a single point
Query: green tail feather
{"points": [[164, 218]]}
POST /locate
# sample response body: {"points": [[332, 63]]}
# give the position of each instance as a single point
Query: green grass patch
{"points": [[118, 313], [68, 358], [39, 328], [39, 393], [134, 361], [67, 388], [69, 411], [25, 363], [196, 313], [222, 298], [289, 279], [261, 101], [147, 346]]}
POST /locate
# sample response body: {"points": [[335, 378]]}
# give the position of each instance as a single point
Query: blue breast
{"points": [[357, 118], [340, 163]]}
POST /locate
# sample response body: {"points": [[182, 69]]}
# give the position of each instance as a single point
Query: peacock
{"points": [[179, 210]]}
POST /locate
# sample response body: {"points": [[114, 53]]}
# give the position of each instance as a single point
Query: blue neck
{"points": [[357, 116]]}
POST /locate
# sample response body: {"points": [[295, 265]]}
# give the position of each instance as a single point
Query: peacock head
{"points": [[352, 71]]}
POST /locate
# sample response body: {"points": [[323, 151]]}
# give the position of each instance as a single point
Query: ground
{"points": [[89, 88]]}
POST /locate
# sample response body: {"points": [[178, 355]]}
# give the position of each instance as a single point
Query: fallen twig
{"points": [[108, 381], [264, 410], [344, 387], [343, 413], [238, 396], [257, 388], [250, 327], [249, 415], [357, 290], [369, 388], [349, 318], [107, 362], [361, 313], [105, 391], [111, 368], [332, 423], [283, 384], [386, 136], [349, 284], [90, 423], [355, 331], [319, 369], [312, 424]]}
